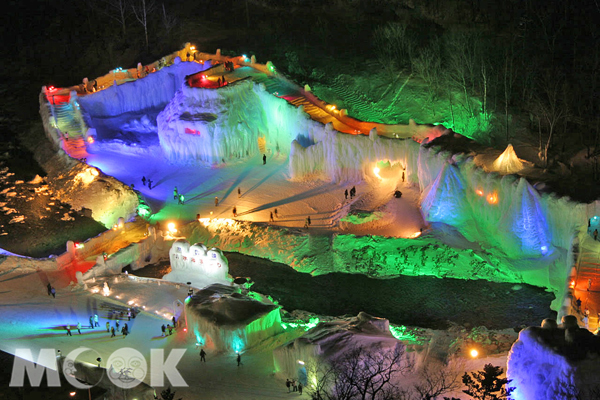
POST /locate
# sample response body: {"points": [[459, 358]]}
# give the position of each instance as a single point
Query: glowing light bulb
{"points": [[474, 353]]}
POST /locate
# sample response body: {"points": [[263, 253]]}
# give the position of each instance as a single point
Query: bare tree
{"points": [[550, 110], [169, 21], [360, 374], [119, 11], [427, 65], [142, 9], [437, 380]]}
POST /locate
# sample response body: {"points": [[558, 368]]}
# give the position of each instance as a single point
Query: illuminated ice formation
{"points": [[507, 162], [197, 264], [151, 92], [223, 319], [551, 362]]}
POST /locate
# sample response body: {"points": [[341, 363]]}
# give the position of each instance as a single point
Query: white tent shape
{"points": [[507, 162]]}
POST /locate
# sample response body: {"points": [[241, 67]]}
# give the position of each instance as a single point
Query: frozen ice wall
{"points": [[223, 319], [553, 363], [211, 125], [152, 91]]}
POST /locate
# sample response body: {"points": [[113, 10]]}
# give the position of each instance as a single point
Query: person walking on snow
{"points": [[288, 384], [117, 324], [264, 159], [239, 192], [112, 332], [216, 201], [275, 212], [144, 180], [69, 330], [96, 320], [181, 199], [308, 220], [49, 289], [91, 322], [346, 194], [271, 217], [300, 387], [175, 193], [149, 184], [234, 211], [53, 291], [107, 326], [202, 355], [163, 329], [79, 327], [239, 359]]}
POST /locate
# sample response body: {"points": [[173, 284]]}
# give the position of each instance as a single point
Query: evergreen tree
{"points": [[487, 384]]}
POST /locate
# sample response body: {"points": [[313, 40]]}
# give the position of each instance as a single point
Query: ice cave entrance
{"points": [[387, 169], [594, 224]]}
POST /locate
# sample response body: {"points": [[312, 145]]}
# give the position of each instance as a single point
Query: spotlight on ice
{"points": [[376, 172], [474, 353]]}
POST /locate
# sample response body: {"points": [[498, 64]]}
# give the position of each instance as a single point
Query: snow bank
{"points": [[328, 341], [550, 363], [153, 91], [223, 319]]}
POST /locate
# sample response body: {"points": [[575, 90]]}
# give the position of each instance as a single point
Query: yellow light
{"points": [[474, 353], [72, 394], [90, 139], [376, 172], [171, 227], [192, 48], [572, 285], [492, 198], [415, 235], [479, 192]]}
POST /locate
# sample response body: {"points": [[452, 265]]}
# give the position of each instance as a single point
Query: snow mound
{"points": [[224, 319], [551, 362], [330, 340]]}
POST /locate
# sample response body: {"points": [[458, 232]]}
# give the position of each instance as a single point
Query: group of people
{"points": [[168, 328], [144, 180], [94, 322], [178, 196], [352, 192], [292, 386]]}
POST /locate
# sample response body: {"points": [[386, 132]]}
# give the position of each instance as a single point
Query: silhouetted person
{"points": [[175, 193], [264, 159], [271, 217], [234, 211], [144, 180], [275, 212], [163, 329], [112, 332], [202, 355], [300, 387], [239, 192], [308, 220], [595, 234], [49, 289], [346, 193], [402, 176], [239, 359], [149, 184], [53, 291], [216, 201]]}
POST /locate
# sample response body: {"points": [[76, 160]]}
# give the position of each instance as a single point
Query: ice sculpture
{"points": [[197, 264], [223, 319], [445, 199], [507, 162]]}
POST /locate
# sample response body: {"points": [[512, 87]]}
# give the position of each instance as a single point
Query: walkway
{"points": [[587, 282]]}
